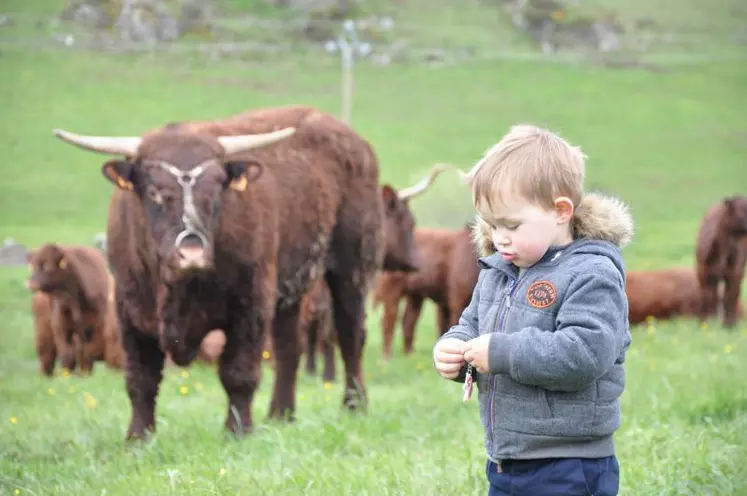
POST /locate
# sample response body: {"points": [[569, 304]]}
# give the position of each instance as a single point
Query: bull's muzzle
{"points": [[190, 249]]}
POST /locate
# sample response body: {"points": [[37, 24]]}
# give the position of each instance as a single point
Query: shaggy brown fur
{"points": [[73, 308], [447, 277], [663, 294], [275, 219], [721, 254]]}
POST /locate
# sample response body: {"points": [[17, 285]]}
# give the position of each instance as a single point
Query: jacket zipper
{"points": [[501, 318]]}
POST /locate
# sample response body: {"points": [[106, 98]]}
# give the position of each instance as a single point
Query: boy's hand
{"points": [[448, 357], [476, 352]]}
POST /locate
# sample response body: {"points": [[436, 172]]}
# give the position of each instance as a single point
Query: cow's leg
{"points": [[239, 366], [328, 347], [708, 297], [388, 322], [349, 315], [143, 374], [731, 295], [410, 320], [45, 346], [287, 357], [313, 335]]}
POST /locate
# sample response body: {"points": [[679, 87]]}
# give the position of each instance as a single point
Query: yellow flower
{"points": [[17, 491], [266, 355], [51, 391], [650, 320], [185, 374], [558, 16], [222, 472], [301, 397], [90, 401], [14, 420], [728, 349], [704, 326], [421, 366], [65, 372], [327, 385], [326, 397], [183, 390], [198, 386]]}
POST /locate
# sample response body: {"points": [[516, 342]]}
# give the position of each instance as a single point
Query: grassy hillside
{"points": [[669, 143]]}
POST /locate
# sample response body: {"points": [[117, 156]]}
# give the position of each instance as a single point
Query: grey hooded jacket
{"points": [[559, 333]]}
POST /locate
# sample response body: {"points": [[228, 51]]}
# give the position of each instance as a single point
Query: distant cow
{"points": [[317, 327], [721, 253], [73, 308], [256, 207], [663, 294], [447, 276]]}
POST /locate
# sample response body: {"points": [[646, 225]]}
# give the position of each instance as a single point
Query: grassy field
{"points": [[668, 143]]}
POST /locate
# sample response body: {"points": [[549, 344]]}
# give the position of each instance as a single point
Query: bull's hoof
{"points": [[355, 401], [237, 430], [282, 414], [138, 434]]}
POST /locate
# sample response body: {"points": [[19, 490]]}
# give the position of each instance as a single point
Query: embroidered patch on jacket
{"points": [[541, 294]]}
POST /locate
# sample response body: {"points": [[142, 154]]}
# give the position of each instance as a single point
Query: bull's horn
{"points": [[420, 187], [238, 144], [103, 144]]}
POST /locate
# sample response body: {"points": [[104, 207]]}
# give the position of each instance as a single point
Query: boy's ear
{"points": [[564, 209]]}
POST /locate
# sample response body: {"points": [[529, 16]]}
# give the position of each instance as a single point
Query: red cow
{"points": [[721, 253]]}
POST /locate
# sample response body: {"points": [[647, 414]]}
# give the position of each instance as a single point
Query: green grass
{"points": [[668, 143]]}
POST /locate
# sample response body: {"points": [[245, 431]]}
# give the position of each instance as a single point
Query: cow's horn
{"points": [[103, 144], [238, 144], [463, 175], [424, 184]]}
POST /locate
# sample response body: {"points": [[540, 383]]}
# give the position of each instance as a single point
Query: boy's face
{"points": [[522, 232]]}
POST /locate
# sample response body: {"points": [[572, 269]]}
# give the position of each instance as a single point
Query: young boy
{"points": [[546, 331]]}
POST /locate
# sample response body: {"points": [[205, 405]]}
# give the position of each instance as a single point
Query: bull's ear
{"points": [[240, 173], [389, 196], [120, 172]]}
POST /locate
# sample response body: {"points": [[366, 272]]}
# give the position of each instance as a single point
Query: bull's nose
{"points": [[191, 251]]}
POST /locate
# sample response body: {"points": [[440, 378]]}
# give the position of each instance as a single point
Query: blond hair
{"points": [[532, 162]]}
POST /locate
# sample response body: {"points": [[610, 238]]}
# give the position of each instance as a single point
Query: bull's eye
{"points": [[154, 195]]}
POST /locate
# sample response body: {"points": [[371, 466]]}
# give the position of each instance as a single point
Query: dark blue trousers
{"points": [[554, 477]]}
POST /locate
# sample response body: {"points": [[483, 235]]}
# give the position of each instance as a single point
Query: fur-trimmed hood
{"points": [[597, 217]]}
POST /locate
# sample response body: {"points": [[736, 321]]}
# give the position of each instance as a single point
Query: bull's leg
{"points": [[410, 320], [143, 374], [349, 317], [731, 297], [388, 321], [239, 368], [287, 357]]}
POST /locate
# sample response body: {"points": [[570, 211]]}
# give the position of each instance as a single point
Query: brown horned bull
{"points": [[721, 254], [663, 294], [447, 276], [73, 308], [240, 216]]}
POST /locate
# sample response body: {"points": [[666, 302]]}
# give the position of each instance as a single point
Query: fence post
{"points": [[348, 50]]}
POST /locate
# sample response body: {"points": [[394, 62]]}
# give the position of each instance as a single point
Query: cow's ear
{"points": [[240, 173], [389, 196], [121, 173]]}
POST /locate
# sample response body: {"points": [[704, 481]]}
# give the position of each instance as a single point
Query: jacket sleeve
{"points": [[467, 327], [591, 332]]}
